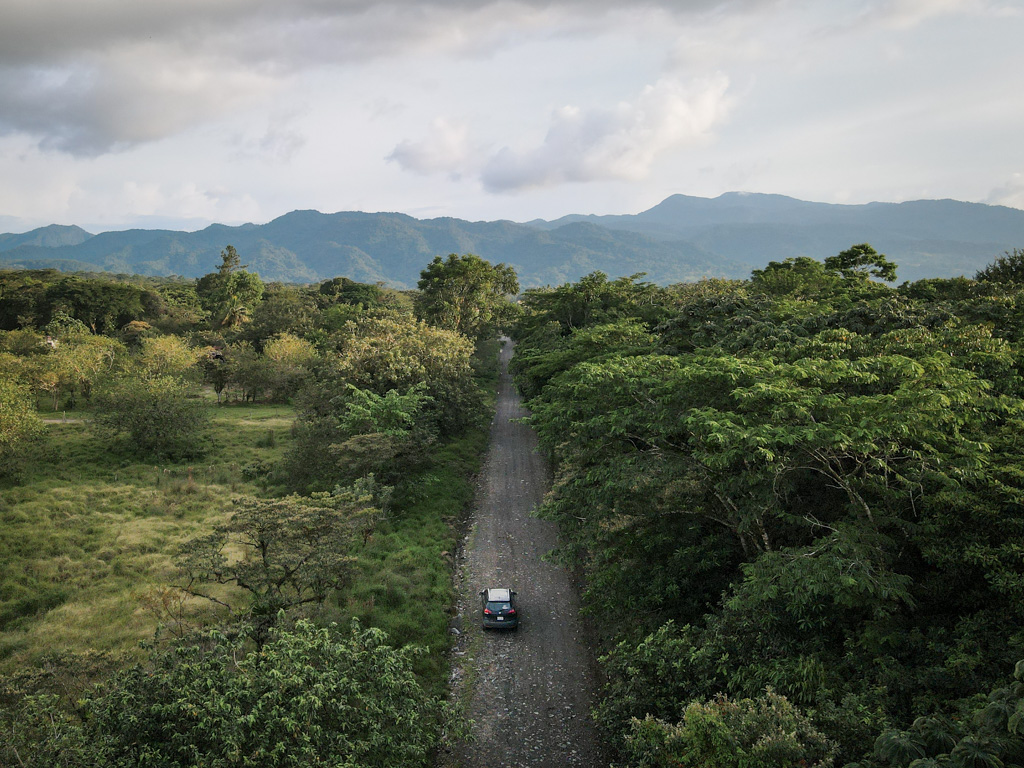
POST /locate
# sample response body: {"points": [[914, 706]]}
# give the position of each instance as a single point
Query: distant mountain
{"points": [[52, 236], [682, 238], [306, 246], [926, 238]]}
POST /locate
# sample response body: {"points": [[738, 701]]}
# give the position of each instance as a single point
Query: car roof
{"points": [[499, 595]]}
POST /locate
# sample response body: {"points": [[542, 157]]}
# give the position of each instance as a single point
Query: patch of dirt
{"points": [[528, 691]]}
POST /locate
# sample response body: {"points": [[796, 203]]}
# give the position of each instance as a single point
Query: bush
{"points": [[155, 417], [311, 696], [18, 424], [766, 732]]}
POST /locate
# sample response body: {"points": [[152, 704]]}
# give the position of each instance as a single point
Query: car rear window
{"points": [[499, 606]]}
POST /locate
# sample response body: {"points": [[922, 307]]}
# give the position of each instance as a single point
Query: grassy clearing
{"points": [[89, 534]]}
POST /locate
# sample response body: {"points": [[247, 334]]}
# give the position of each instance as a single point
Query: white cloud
{"points": [[127, 97], [621, 142], [93, 76], [446, 148], [1011, 193]]}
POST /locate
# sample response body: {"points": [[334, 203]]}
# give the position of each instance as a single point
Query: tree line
{"points": [[378, 378], [797, 501]]}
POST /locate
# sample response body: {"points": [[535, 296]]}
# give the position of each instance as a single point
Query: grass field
{"points": [[88, 535]]}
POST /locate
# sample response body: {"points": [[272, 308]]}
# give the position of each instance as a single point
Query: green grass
{"points": [[88, 535], [403, 582]]}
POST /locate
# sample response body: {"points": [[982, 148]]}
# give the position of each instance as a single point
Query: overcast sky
{"points": [[122, 113]]}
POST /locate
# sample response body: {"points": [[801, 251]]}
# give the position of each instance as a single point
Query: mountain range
{"points": [[681, 239]]}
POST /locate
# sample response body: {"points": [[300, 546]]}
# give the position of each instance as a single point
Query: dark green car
{"points": [[499, 608]]}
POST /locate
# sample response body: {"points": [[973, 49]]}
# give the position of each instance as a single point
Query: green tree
{"points": [[153, 416], [1008, 268], [284, 309], [859, 261], [467, 294], [290, 360], [167, 356], [19, 424], [294, 551], [801, 276], [309, 696], [230, 294], [767, 732], [396, 352]]}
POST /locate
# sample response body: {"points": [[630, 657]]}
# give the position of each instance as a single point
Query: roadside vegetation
{"points": [[798, 501], [220, 497]]}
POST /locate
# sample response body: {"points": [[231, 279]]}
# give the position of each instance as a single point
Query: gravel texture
{"points": [[528, 691]]}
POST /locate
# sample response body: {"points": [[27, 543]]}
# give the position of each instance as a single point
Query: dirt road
{"points": [[529, 690]]}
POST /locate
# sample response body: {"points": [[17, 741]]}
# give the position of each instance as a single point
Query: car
{"points": [[499, 608]]}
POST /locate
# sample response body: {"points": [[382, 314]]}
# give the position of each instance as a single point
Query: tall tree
{"points": [[860, 261], [467, 294], [231, 293]]}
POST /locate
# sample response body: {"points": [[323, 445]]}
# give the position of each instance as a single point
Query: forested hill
{"points": [[681, 239], [927, 238], [307, 246]]}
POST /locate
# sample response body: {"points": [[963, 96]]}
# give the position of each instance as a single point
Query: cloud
{"points": [[446, 148], [1010, 194], [131, 96], [89, 77], [615, 143]]}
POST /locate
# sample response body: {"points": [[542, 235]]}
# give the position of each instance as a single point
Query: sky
{"points": [[134, 113]]}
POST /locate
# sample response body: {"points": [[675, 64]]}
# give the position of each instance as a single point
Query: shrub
{"points": [[154, 417]]}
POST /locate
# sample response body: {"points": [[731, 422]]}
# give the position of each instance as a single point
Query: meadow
{"points": [[88, 537]]}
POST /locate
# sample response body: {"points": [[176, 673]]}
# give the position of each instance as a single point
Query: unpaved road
{"points": [[529, 691]]}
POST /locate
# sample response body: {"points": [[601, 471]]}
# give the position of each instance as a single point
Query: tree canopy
{"points": [[806, 482], [467, 294]]}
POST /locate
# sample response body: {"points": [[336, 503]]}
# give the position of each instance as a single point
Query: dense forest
{"points": [[797, 503], [262, 483]]}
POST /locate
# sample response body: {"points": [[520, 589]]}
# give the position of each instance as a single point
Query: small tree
{"points": [[153, 416], [19, 424], [294, 551]]}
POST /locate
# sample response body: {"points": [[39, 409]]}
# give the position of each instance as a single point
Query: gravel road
{"points": [[528, 691]]}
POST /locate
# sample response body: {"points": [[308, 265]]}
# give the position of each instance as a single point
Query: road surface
{"points": [[529, 691]]}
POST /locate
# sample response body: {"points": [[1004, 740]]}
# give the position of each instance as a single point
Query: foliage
{"points": [[283, 310], [294, 550], [807, 482], [309, 696], [1008, 268], [154, 416], [398, 353], [860, 261], [71, 365], [467, 294], [230, 294], [19, 424], [166, 356], [767, 732], [33, 298], [990, 734]]}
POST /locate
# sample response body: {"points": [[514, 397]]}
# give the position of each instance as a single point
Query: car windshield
{"points": [[499, 606]]}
